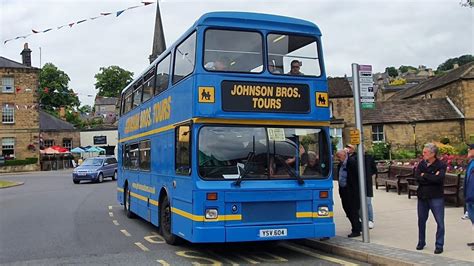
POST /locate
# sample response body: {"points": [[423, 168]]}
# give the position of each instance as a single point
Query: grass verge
{"points": [[5, 184]]}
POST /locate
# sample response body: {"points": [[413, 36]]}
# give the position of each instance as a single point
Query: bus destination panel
{"points": [[238, 96]]}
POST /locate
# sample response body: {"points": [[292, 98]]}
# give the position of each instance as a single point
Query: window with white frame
{"points": [[336, 138], [8, 113], [67, 143], [377, 133], [8, 85], [8, 147], [48, 142]]}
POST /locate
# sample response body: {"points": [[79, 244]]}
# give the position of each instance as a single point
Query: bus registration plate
{"points": [[273, 232]]}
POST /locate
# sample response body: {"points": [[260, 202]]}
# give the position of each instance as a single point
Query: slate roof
{"points": [[339, 88], [99, 100], [406, 111], [51, 123], [8, 63], [463, 72]]}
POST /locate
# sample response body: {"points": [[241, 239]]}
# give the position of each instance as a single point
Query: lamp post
{"points": [[413, 124]]}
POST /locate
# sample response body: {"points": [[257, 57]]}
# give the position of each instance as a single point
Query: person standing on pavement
{"points": [[370, 170], [469, 190], [349, 190], [430, 175], [350, 149]]}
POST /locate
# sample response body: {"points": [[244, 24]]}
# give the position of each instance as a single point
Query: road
{"points": [[51, 221]]}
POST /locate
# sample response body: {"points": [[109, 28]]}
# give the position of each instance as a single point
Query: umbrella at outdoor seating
{"points": [[49, 151], [77, 150], [93, 149]]}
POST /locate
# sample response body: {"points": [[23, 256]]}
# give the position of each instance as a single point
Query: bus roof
{"points": [[239, 20]]}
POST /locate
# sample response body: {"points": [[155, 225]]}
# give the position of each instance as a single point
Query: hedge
{"points": [[21, 162]]}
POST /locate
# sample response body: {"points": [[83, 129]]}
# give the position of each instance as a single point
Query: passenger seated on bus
{"points": [[313, 166], [295, 68], [273, 69], [221, 64]]}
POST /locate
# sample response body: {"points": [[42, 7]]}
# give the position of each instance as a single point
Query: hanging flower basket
{"points": [[31, 147]]}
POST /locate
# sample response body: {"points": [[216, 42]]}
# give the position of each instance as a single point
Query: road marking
{"points": [[210, 261], [249, 260], [141, 246], [155, 239], [110, 207], [299, 249], [125, 232], [115, 222], [227, 260], [111, 214], [162, 262], [271, 257]]}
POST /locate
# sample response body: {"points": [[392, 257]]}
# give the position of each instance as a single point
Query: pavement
{"points": [[394, 238]]}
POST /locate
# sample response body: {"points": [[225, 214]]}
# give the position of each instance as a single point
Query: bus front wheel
{"points": [[165, 223]]}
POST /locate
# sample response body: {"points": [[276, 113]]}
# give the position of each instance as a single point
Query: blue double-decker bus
{"points": [[225, 137]]}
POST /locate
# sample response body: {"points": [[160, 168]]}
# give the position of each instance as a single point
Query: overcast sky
{"points": [[380, 33]]}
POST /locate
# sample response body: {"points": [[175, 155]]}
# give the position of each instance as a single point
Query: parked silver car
{"points": [[95, 169]]}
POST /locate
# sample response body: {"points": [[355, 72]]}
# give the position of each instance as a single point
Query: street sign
{"points": [[366, 82], [354, 136]]}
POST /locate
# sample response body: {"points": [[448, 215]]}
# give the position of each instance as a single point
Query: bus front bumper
{"points": [[255, 233]]}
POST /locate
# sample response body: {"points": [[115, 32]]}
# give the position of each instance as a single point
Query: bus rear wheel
{"points": [[127, 203], [165, 223]]}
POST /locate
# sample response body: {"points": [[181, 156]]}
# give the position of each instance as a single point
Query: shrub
{"points": [[445, 148], [380, 151], [461, 148], [403, 154], [21, 162]]}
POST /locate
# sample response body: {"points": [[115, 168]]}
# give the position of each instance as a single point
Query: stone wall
{"points": [[25, 129], [343, 108], [58, 137], [401, 135]]}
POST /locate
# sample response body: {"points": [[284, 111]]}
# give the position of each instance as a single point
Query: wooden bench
{"points": [[395, 176], [452, 184]]}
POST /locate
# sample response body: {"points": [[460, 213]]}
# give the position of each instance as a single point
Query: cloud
{"points": [[381, 33]]}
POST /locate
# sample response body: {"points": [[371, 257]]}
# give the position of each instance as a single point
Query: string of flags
{"points": [[70, 25]]}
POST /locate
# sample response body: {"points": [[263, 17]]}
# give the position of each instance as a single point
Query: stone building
{"points": [[106, 107], [341, 106], [457, 86], [57, 132], [406, 123], [19, 130]]}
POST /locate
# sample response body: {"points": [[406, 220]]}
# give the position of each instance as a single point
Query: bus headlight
{"points": [[211, 214], [323, 211]]}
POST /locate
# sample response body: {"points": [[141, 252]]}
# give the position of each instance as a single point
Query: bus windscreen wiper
{"points": [[290, 170], [245, 168]]}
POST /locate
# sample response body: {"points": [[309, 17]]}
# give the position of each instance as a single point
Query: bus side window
{"points": [[184, 58], [148, 85], [183, 150], [162, 75]]}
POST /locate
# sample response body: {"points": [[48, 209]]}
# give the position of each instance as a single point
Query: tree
{"points": [[54, 91], [86, 109], [449, 64], [404, 69], [391, 71], [111, 80]]}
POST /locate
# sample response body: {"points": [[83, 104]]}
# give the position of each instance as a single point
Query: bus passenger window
{"points": [[128, 101], [184, 58], [137, 97], [293, 55], [148, 85], [183, 150], [162, 75], [233, 51], [133, 156], [145, 155], [126, 156]]}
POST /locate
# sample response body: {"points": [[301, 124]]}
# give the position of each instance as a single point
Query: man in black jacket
{"points": [[430, 174], [349, 190]]}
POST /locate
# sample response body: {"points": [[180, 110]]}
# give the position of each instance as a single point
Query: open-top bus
{"points": [[223, 139]]}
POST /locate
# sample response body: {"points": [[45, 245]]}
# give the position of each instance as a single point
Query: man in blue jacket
{"points": [[469, 189]]}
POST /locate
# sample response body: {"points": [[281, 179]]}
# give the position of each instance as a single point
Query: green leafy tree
{"points": [[111, 80], [391, 71], [404, 69], [85, 109], [449, 64], [54, 91]]}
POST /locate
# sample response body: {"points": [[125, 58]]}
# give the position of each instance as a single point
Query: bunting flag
{"points": [[102, 14]]}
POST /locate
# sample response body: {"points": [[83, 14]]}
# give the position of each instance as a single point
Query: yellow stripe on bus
{"points": [[231, 122], [153, 202], [138, 196], [312, 215], [120, 189], [200, 218]]}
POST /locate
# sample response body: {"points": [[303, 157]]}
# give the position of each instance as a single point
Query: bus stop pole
{"points": [[360, 154]]}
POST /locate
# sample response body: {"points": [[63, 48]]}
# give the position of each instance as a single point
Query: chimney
{"points": [[26, 55], [62, 113], [456, 65]]}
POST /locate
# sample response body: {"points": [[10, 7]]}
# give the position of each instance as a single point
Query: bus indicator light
{"points": [[323, 194], [211, 196]]}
